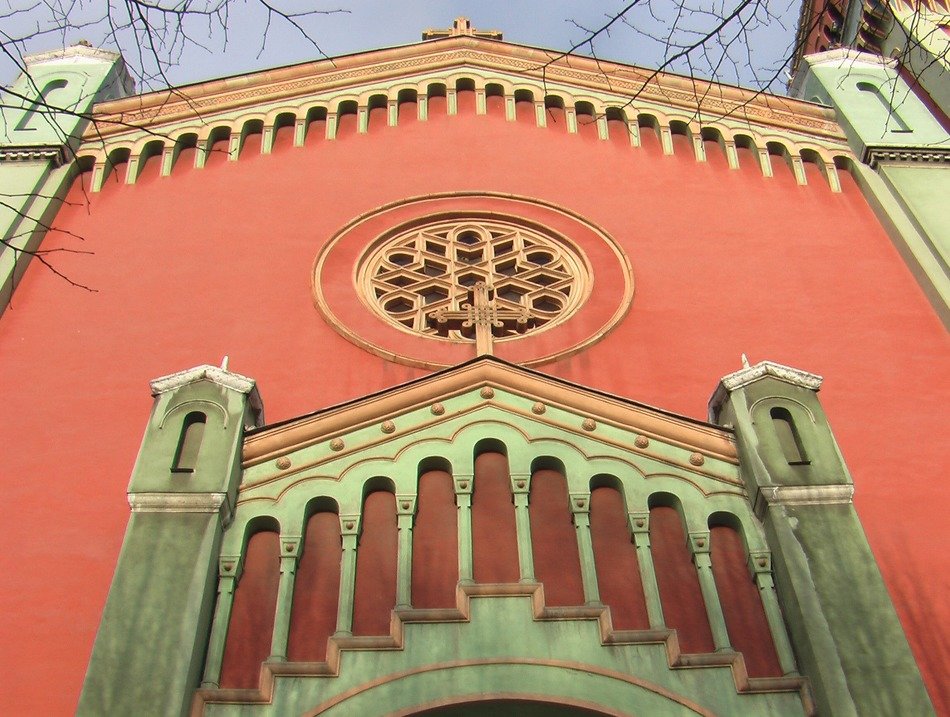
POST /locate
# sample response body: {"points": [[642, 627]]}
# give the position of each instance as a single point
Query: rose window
{"points": [[415, 274]]}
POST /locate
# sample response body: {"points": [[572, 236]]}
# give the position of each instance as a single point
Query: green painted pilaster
{"points": [[580, 511], [463, 499], [349, 529], [640, 527], [843, 627], [699, 547], [182, 494], [760, 564], [229, 573], [289, 555], [405, 515], [510, 112], [520, 488]]}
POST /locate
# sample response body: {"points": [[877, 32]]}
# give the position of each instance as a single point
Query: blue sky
{"points": [[370, 24]]}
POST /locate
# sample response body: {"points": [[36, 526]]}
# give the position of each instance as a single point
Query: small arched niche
{"points": [[788, 436], [189, 442]]}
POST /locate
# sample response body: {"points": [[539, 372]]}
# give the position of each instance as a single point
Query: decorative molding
{"points": [[74, 52], [794, 376], [916, 155], [220, 376], [833, 494], [337, 645], [54, 153], [418, 272], [270, 443], [749, 374], [623, 81], [181, 503]]}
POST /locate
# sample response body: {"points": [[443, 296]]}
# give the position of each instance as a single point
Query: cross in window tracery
{"points": [[481, 316]]}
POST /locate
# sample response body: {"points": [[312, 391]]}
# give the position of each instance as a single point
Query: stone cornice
{"points": [[270, 441], [795, 495], [220, 376], [298, 81], [54, 153], [750, 374], [916, 155], [181, 503], [794, 376], [83, 52]]}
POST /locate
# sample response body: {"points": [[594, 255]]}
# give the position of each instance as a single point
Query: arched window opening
{"points": [[252, 614], [788, 437], [435, 570], [316, 593], [676, 577], [615, 557], [746, 623], [375, 592], [557, 563], [41, 105], [494, 536], [894, 121], [189, 443]]}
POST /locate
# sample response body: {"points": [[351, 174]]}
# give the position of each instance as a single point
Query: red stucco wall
{"points": [[218, 261]]}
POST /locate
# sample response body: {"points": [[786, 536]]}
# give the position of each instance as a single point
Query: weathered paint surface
{"points": [[217, 261]]}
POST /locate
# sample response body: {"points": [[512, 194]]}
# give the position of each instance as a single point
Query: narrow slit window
{"points": [[788, 437], [192, 432]]}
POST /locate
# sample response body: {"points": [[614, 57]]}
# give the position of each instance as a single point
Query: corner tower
{"points": [[48, 109]]}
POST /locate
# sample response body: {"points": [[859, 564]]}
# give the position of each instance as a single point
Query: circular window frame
{"points": [[337, 295], [457, 223]]}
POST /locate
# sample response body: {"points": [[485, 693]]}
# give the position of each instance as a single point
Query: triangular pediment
{"points": [[495, 398]]}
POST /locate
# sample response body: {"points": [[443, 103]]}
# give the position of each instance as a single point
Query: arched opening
{"points": [[41, 106], [615, 556], [746, 623], [317, 584], [189, 442], [465, 96], [554, 110], [347, 113], [218, 144], [375, 593], [378, 108], [438, 106], [252, 135], [255, 604], [557, 563], [893, 121], [494, 536], [284, 127], [435, 538], [150, 161], [683, 607], [524, 107], [650, 134], [495, 99], [316, 125], [788, 437], [408, 100], [509, 708], [586, 120], [186, 150]]}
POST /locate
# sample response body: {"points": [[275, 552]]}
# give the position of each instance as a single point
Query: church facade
{"points": [[496, 301]]}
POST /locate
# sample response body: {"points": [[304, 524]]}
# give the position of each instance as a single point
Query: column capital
{"points": [[580, 503]]}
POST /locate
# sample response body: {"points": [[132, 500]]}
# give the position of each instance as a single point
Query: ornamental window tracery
{"points": [[415, 272]]}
